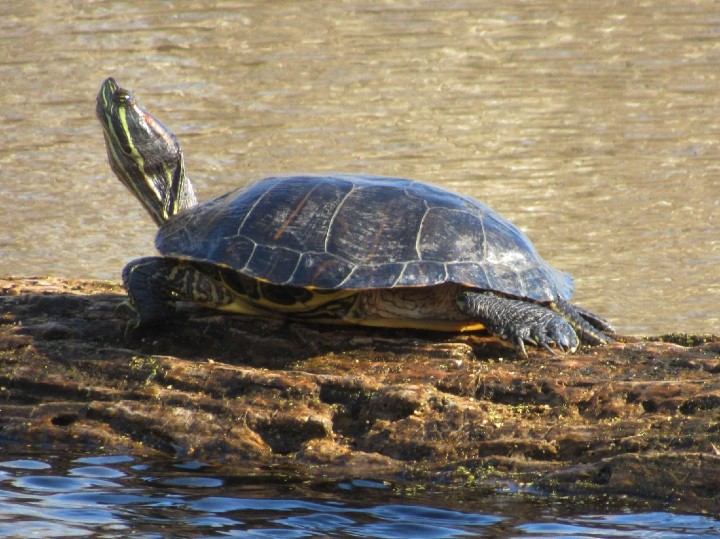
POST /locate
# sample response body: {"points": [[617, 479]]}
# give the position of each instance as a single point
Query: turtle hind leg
{"points": [[594, 320], [155, 285], [590, 327], [518, 321]]}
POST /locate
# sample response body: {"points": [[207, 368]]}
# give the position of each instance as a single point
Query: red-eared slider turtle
{"points": [[334, 248]]}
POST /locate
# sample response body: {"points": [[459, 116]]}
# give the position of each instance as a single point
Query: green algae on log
{"points": [[639, 417]]}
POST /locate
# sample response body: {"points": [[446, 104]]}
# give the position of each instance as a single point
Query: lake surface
{"points": [[120, 496], [593, 126]]}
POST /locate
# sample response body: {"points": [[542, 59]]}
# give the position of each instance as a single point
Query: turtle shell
{"points": [[359, 232]]}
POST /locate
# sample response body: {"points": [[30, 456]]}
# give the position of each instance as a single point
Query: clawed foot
{"points": [[128, 312], [519, 322], [550, 330]]}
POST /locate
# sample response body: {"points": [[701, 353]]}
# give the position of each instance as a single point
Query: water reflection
{"points": [[112, 496], [593, 126]]}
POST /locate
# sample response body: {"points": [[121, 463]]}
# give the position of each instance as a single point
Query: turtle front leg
{"points": [[155, 285], [518, 321]]}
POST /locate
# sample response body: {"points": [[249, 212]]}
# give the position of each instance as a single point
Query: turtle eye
{"points": [[122, 98]]}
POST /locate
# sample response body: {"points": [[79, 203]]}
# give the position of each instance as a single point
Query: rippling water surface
{"points": [[592, 125], [121, 496]]}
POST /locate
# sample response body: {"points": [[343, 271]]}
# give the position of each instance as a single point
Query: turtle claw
{"points": [[562, 334], [550, 329], [128, 312]]}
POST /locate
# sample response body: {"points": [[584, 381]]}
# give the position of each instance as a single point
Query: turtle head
{"points": [[143, 154]]}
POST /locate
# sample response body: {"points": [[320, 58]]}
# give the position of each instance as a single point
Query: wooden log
{"points": [[638, 417]]}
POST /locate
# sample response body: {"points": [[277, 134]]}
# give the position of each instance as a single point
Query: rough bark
{"points": [[638, 417]]}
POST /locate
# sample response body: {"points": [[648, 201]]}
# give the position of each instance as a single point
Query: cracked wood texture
{"points": [[639, 417]]}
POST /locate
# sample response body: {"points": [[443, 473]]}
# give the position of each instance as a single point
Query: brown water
{"points": [[594, 126]]}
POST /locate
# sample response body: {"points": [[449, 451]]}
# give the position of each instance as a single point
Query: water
{"points": [[593, 126], [121, 496]]}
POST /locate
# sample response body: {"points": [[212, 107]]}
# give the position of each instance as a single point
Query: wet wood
{"points": [[639, 417]]}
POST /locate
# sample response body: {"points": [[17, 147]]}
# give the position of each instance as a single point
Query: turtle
{"points": [[334, 248]]}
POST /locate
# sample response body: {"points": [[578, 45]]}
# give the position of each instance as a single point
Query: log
{"points": [[638, 417]]}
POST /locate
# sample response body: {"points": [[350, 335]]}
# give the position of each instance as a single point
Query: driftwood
{"points": [[639, 417]]}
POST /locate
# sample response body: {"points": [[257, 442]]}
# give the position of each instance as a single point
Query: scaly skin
{"points": [[518, 321]]}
